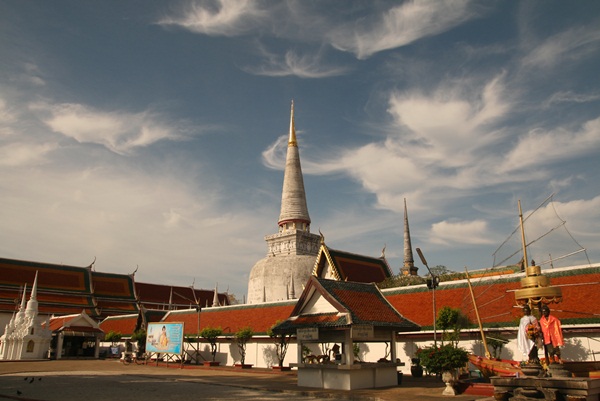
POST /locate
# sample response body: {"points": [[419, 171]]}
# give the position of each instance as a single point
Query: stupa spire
{"points": [[32, 304], [216, 296], [409, 262], [294, 211]]}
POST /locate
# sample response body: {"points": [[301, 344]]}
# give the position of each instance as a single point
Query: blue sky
{"points": [[153, 133]]}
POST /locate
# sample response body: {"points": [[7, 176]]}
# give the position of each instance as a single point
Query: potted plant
{"points": [[242, 336], [444, 360], [281, 341], [211, 334]]}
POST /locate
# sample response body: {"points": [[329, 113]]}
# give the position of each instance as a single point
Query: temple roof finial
{"points": [[292, 138]]}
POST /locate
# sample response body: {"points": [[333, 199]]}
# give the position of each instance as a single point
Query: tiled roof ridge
{"points": [[177, 286], [42, 264], [496, 279], [118, 317], [328, 283], [338, 251], [250, 306], [111, 274]]}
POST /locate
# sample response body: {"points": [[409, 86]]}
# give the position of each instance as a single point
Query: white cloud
{"points": [[226, 18], [448, 124], [24, 154], [399, 26], [438, 142], [118, 131], [539, 147], [127, 218], [460, 232]]}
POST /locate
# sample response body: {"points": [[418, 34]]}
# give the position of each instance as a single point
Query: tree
{"points": [[496, 341], [242, 336], [451, 319], [211, 334], [233, 300], [281, 341], [140, 337], [113, 337], [401, 280]]}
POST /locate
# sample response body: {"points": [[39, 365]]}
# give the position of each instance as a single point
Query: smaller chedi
{"points": [[24, 336]]}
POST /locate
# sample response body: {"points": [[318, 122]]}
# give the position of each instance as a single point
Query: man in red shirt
{"points": [[553, 337]]}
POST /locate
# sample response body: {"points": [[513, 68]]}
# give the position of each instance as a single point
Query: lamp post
{"points": [[431, 284]]}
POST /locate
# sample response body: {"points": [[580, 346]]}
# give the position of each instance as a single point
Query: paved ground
{"points": [[102, 380]]}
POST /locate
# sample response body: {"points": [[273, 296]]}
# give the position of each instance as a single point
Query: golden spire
{"points": [[292, 139]]}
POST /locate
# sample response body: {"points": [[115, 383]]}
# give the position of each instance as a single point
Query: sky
{"points": [[151, 135]]}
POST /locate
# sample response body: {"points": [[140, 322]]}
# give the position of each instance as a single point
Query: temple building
{"points": [[292, 251]]}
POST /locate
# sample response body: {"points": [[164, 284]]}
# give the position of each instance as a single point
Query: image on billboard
{"points": [[165, 338]]}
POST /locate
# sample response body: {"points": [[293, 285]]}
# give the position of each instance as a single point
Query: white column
{"points": [[348, 358], [59, 345], [97, 348]]}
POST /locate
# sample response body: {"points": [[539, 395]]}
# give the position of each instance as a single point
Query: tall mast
{"points": [[524, 242]]}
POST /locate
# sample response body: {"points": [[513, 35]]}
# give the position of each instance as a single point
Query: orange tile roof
{"points": [[352, 267], [124, 324], [259, 317], [495, 298], [357, 303], [157, 296], [111, 285], [57, 323]]}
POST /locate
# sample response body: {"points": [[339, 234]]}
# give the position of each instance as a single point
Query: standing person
{"points": [[553, 337], [528, 331]]}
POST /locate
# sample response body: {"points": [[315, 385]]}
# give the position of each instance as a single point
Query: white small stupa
{"points": [[24, 336]]}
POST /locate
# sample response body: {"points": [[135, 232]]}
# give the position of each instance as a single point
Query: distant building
{"points": [[68, 290]]}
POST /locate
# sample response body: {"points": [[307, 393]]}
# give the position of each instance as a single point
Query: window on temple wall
{"points": [[32, 329], [30, 346]]}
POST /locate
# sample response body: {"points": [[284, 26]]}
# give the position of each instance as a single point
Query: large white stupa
{"points": [[292, 251]]}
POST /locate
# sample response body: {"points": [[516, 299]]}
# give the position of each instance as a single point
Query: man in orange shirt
{"points": [[553, 337]]}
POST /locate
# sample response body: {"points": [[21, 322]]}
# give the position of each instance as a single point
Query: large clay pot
{"points": [[416, 371]]}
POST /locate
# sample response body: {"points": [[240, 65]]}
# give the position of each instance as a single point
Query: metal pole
{"points": [[434, 313], [433, 285]]}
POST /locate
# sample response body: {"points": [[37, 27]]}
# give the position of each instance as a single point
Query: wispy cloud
{"points": [[118, 131], [570, 97], [226, 18], [563, 48], [399, 26], [292, 63]]}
